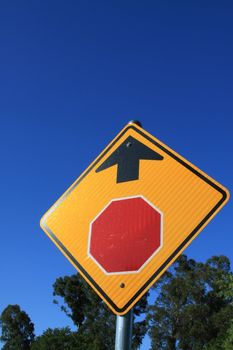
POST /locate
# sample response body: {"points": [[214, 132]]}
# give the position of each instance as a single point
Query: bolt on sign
{"points": [[134, 210]]}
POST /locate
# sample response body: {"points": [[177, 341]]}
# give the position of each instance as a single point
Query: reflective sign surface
{"points": [[131, 214]]}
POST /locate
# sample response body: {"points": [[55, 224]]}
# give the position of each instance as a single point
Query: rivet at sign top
{"points": [[122, 285]]}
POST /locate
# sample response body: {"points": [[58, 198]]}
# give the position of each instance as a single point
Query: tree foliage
{"points": [[191, 312], [228, 340], [58, 339], [17, 330]]}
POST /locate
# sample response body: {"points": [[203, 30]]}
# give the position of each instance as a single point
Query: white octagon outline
{"points": [[152, 255]]}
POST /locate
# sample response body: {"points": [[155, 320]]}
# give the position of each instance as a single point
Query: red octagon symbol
{"points": [[125, 235]]}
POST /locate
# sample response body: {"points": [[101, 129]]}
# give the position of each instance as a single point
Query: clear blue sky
{"points": [[72, 74]]}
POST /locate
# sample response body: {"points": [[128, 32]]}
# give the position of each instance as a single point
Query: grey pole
{"points": [[124, 326]]}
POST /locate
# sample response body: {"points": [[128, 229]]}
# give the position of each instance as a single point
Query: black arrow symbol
{"points": [[127, 157]]}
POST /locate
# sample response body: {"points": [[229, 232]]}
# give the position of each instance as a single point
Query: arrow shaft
{"points": [[128, 170]]}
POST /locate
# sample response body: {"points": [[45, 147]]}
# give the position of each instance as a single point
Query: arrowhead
{"points": [[127, 157]]}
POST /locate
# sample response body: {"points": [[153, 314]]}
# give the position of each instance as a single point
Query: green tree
{"points": [[17, 330], [228, 341], [58, 339], [95, 322], [190, 313], [224, 340]]}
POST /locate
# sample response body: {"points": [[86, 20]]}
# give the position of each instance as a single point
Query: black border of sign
{"points": [[162, 267]]}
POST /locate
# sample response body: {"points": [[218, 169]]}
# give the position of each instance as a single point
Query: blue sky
{"points": [[72, 74]]}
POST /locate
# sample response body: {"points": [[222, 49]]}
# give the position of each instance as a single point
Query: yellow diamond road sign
{"points": [[131, 214]]}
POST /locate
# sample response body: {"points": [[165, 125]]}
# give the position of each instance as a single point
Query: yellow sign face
{"points": [[134, 210]]}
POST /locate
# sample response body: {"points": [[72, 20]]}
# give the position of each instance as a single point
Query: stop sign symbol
{"points": [[125, 235]]}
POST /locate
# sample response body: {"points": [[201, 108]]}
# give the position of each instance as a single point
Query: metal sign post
{"points": [[124, 325]]}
